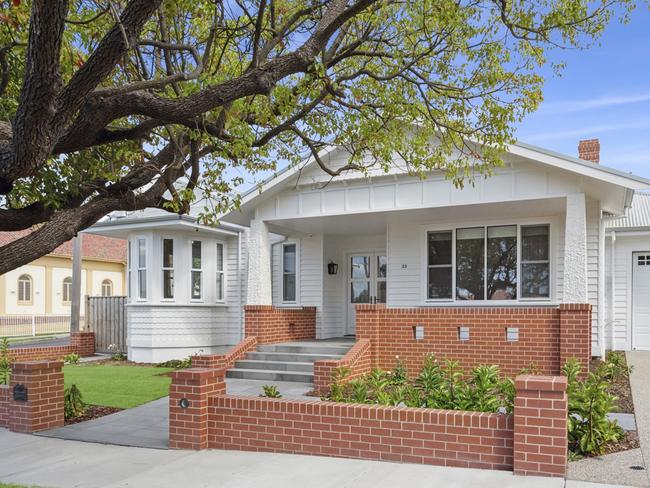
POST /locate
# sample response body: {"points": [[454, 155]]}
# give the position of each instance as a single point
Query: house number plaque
{"points": [[20, 393]]}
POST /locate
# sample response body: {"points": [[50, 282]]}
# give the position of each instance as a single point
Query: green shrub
{"points": [[270, 391], [176, 363], [5, 363], [589, 428], [72, 358], [73, 404]]}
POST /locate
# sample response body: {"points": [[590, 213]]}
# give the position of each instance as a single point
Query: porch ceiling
{"points": [[375, 222]]}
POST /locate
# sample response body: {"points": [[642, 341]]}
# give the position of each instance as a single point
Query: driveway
{"points": [[40, 461], [148, 424]]}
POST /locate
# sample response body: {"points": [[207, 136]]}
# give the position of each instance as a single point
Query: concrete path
{"points": [[148, 424], [46, 462]]}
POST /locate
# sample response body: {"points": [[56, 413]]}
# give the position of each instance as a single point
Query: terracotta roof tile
{"points": [[93, 246]]}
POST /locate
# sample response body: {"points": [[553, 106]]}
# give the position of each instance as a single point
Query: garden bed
{"points": [[93, 412]]}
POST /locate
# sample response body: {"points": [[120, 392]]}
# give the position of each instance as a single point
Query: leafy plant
{"points": [[589, 428], [72, 358], [73, 404], [176, 363], [116, 353], [5, 362], [337, 387], [271, 391], [399, 375]]}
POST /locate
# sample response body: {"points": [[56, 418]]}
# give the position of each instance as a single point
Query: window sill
{"points": [[491, 303]]}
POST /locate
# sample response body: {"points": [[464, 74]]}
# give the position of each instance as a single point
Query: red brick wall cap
{"points": [[575, 306], [198, 374], [540, 383], [36, 365]]}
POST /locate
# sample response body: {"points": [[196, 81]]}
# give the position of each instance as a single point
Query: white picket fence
{"points": [[33, 325]]}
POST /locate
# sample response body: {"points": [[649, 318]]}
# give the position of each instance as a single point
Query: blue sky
{"points": [[604, 92]]}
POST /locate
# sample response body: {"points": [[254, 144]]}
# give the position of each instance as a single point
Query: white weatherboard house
{"points": [[543, 230]]}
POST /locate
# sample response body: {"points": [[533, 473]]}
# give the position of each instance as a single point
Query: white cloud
{"points": [[593, 103]]}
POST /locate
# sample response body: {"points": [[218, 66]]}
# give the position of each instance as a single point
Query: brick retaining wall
{"points": [[271, 324], [212, 419], [82, 343], [228, 359], [547, 335]]}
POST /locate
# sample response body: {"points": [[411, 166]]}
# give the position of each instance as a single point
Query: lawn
{"points": [[118, 386]]}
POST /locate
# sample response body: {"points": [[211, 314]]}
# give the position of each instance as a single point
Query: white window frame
{"points": [[281, 272], [199, 270], [30, 280], [220, 272], [129, 262], [63, 292], [140, 269], [163, 268], [552, 222], [109, 282]]}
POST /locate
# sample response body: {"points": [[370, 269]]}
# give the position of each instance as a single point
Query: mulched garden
{"points": [[93, 412]]}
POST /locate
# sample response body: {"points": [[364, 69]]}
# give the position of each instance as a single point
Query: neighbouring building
{"points": [[496, 268], [44, 286]]}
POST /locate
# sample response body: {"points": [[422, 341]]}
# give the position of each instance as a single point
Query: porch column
{"points": [[258, 291], [575, 250]]}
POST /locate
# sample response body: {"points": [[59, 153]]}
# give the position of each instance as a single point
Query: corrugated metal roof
{"points": [[636, 216]]}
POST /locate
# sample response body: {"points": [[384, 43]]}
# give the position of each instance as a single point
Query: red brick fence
{"points": [[82, 343], [532, 441]]}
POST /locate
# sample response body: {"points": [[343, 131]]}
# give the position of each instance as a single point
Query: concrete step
{"points": [[290, 357], [304, 349], [306, 367], [270, 375]]}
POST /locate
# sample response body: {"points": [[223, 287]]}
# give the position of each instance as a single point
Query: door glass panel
{"points": [[381, 292], [360, 267], [381, 266], [360, 292]]}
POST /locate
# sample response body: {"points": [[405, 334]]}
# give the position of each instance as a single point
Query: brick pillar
{"points": [[575, 333], [83, 342], [44, 406], [540, 436], [4, 405], [188, 427]]}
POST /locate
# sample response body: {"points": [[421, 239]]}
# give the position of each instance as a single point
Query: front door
{"points": [[366, 275], [640, 302]]}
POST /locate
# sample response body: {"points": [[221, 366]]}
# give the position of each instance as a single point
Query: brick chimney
{"points": [[589, 150]]}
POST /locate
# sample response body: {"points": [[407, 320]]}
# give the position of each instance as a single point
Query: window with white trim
{"points": [[289, 262], [503, 262], [168, 268], [25, 289], [107, 288], [142, 268], [220, 274], [67, 290], [196, 271]]}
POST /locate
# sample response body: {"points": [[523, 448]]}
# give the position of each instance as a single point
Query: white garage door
{"points": [[641, 300]]}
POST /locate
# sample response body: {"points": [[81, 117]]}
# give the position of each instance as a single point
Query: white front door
{"points": [[641, 300], [366, 277]]}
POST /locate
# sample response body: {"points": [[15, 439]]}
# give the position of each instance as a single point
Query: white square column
{"points": [[575, 250], [259, 290]]}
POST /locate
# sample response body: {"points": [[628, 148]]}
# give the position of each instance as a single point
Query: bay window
{"points": [[196, 272], [142, 268], [504, 262], [168, 268], [220, 273]]}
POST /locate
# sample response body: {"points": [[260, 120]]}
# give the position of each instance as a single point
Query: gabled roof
{"points": [[94, 247], [636, 217]]}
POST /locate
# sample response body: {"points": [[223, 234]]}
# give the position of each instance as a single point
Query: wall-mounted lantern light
{"points": [[332, 268]]}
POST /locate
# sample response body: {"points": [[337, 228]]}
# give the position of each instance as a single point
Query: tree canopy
{"points": [[126, 104]]}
